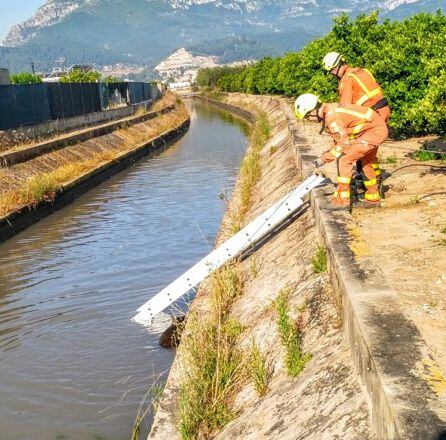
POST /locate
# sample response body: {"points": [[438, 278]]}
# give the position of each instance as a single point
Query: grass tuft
{"points": [[319, 260], [250, 172], [258, 369], [424, 156], [211, 361], [391, 160], [295, 360]]}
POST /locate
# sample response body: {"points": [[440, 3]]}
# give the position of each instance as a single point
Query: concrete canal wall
{"points": [[366, 378], [100, 151]]}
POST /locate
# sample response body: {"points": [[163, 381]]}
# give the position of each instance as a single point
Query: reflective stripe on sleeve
{"points": [[336, 152], [369, 183]]}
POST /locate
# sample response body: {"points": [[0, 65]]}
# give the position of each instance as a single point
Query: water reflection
{"points": [[72, 364]]}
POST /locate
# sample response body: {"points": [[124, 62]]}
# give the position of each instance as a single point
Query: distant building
{"points": [[179, 85], [4, 77], [59, 72]]}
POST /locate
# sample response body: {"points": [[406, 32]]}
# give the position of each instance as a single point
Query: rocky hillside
{"points": [[143, 32]]}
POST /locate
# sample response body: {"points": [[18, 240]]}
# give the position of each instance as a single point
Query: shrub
{"points": [[78, 76], [25, 78]]}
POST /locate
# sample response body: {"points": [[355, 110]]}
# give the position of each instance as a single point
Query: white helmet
{"points": [[332, 60], [304, 104]]}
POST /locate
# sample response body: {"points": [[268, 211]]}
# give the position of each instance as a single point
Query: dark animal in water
{"points": [[171, 337]]}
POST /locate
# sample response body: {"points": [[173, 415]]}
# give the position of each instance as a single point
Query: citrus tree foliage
{"points": [[208, 77], [25, 78], [78, 76], [111, 79], [408, 59]]}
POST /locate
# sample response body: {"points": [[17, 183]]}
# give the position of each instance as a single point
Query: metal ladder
{"points": [[232, 248]]}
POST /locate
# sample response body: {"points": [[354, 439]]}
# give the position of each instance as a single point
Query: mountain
{"points": [[143, 32]]}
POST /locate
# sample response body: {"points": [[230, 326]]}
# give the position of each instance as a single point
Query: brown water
{"points": [[72, 363]]}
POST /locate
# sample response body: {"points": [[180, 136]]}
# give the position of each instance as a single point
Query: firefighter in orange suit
{"points": [[357, 86], [357, 132]]}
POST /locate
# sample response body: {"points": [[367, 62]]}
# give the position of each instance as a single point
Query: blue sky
{"points": [[15, 11]]}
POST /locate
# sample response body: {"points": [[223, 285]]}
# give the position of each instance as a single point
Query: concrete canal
{"points": [[72, 364]]}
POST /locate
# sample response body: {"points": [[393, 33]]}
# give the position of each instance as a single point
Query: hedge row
{"points": [[408, 58]]}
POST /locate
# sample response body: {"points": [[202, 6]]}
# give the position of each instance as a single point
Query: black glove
{"points": [[318, 163]]}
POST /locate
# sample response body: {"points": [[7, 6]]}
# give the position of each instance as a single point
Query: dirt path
{"points": [[408, 236]]}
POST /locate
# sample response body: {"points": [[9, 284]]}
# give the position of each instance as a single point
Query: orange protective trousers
{"points": [[365, 149]]}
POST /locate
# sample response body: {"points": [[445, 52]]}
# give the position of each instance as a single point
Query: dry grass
{"points": [[250, 172], [168, 99], [45, 186], [212, 364], [357, 243]]}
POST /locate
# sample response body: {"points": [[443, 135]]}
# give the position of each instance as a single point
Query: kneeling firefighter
{"points": [[357, 132]]}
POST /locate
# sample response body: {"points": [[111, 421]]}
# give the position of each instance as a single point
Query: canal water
{"points": [[72, 363]]}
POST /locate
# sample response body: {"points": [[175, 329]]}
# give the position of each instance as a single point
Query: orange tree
{"points": [[407, 58]]}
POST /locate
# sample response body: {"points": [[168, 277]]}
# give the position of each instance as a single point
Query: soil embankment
{"points": [[326, 400], [31, 189]]}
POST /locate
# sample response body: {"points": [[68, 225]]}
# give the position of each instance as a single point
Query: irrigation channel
{"points": [[72, 363]]}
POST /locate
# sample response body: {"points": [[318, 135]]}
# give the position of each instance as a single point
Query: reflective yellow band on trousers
{"points": [[372, 196], [342, 194], [345, 180], [369, 183]]}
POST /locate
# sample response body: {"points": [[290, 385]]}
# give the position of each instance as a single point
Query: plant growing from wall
{"points": [[319, 260], [79, 76], [295, 359], [258, 369], [25, 78]]}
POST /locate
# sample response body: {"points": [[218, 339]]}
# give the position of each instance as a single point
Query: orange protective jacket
{"points": [[347, 122], [358, 86]]}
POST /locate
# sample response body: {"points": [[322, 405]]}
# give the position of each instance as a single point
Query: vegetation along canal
{"points": [[72, 363]]}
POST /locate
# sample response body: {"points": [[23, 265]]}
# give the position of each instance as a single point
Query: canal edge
{"points": [[24, 154], [18, 220]]}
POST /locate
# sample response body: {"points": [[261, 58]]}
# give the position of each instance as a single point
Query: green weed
{"points": [[258, 369], [423, 156], [295, 360], [319, 260], [391, 160]]}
